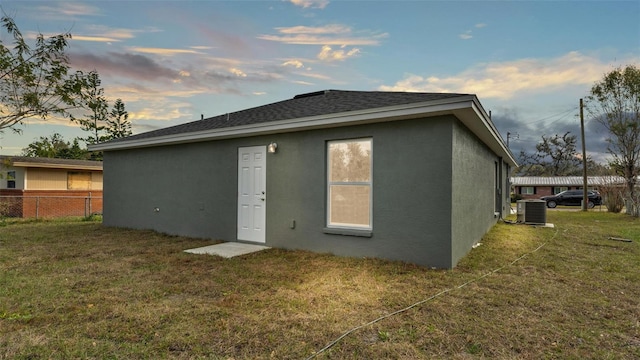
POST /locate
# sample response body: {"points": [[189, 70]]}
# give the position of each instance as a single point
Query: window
{"points": [[527, 190], [349, 192], [11, 179], [78, 180], [559, 189]]}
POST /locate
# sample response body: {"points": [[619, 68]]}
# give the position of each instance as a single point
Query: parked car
{"points": [[572, 198]]}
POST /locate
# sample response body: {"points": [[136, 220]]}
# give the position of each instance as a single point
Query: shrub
{"points": [[612, 196]]}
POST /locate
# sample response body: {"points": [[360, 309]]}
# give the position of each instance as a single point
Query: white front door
{"points": [[252, 193]]}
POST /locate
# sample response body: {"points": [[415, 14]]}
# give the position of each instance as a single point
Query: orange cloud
{"points": [[333, 34], [163, 51], [505, 80]]}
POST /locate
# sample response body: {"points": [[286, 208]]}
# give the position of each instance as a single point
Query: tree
{"points": [[55, 146], [74, 151], [93, 100], [48, 147], [615, 103], [554, 156], [118, 124], [102, 124], [34, 82]]}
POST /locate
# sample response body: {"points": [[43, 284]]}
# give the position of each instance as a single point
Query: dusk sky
{"points": [[529, 62]]}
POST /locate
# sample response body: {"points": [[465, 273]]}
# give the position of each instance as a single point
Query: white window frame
{"points": [[330, 183]]}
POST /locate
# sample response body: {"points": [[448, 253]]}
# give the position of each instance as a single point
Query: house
{"points": [[46, 187], [535, 187], [416, 177]]}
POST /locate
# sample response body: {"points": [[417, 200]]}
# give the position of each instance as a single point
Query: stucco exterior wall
{"points": [[186, 189], [474, 196], [411, 192], [191, 190]]}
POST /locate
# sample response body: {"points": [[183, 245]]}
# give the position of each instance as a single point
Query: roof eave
{"points": [[54, 166], [485, 130], [466, 108], [399, 112]]}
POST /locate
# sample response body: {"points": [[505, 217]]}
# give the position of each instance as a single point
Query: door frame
{"points": [[251, 202]]}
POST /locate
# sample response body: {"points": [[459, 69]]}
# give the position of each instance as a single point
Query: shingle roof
{"points": [[25, 161], [325, 109], [301, 106], [564, 180]]}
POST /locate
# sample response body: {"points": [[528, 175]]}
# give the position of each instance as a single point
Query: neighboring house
{"points": [[30, 183], [416, 177], [535, 187]]}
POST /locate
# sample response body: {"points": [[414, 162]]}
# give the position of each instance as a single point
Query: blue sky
{"points": [[529, 62]]}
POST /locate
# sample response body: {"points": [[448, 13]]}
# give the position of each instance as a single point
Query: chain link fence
{"points": [[44, 207]]}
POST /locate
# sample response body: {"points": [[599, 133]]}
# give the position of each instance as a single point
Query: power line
{"points": [[562, 116]]}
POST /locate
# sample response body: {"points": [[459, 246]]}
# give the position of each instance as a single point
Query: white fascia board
{"points": [[392, 113], [55, 166]]}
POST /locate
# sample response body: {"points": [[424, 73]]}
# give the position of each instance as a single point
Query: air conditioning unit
{"points": [[532, 212]]}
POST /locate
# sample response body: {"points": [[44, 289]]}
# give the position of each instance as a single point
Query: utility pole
{"points": [[585, 197], [517, 136]]}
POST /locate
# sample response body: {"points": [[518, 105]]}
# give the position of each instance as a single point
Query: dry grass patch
{"points": [[79, 290]]}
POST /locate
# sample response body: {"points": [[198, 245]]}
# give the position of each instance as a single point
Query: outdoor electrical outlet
{"points": [[293, 224]]}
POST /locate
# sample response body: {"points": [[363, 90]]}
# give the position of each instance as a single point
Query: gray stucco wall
{"points": [[473, 200], [415, 196], [193, 186], [411, 192]]}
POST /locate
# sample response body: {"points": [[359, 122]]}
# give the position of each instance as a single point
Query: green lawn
{"points": [[79, 290]]}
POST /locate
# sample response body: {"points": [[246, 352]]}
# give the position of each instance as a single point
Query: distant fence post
{"points": [[37, 206]]}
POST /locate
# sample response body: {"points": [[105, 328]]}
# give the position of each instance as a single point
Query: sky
{"points": [[171, 62]]}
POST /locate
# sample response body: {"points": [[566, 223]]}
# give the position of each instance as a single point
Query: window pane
{"points": [[11, 179], [527, 190], [350, 205], [350, 161]]}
